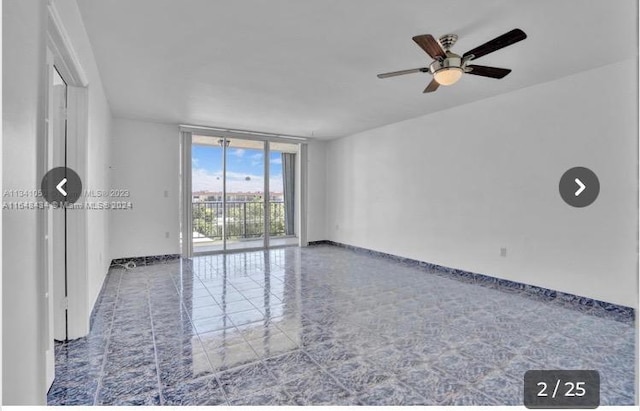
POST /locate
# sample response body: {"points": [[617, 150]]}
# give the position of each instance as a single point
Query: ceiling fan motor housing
{"points": [[447, 41], [451, 61]]}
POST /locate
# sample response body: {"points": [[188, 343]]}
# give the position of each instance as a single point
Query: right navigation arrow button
{"points": [[588, 187], [582, 187]]}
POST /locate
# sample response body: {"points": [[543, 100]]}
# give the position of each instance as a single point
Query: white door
{"points": [[54, 239]]}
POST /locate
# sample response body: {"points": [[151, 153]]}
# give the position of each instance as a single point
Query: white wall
{"points": [[145, 161], [98, 148], [316, 190], [24, 82], [455, 186], [23, 321]]}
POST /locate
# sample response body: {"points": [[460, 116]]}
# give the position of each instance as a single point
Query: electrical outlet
{"points": [[166, 193], [503, 252], [166, 234]]}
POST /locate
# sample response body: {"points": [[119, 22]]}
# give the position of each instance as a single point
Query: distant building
{"points": [[204, 196]]}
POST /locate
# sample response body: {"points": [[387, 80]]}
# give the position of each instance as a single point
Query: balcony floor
{"points": [[325, 325], [204, 245]]}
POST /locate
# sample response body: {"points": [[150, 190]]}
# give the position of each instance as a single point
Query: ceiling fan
{"points": [[447, 67]]}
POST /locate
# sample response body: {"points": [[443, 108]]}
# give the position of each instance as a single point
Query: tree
{"points": [[245, 219]]}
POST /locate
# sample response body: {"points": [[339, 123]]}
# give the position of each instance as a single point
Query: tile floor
{"points": [[325, 325]]}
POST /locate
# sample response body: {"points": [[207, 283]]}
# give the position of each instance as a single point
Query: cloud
{"points": [[276, 160], [238, 152], [256, 159], [205, 180]]}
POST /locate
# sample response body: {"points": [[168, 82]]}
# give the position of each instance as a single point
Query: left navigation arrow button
{"points": [[63, 182], [61, 185]]}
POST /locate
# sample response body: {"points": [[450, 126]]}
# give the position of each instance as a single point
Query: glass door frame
{"points": [[186, 221]]}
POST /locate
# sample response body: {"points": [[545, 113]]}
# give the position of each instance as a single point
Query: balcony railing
{"points": [[245, 219]]}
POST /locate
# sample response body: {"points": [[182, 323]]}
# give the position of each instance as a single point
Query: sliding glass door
{"points": [[246, 200], [243, 194]]}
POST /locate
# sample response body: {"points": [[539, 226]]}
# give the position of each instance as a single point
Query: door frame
{"points": [[68, 64], [54, 219], [61, 55], [186, 229]]}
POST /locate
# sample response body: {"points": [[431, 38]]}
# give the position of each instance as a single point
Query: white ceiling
{"points": [[309, 67]]}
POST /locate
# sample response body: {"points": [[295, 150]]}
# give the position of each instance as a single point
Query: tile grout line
{"points": [[262, 361], [106, 346], [206, 354], [153, 338], [327, 372], [259, 360]]}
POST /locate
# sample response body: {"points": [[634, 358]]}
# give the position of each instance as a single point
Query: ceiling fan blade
{"points": [[430, 45], [485, 71], [499, 42], [433, 86], [401, 72]]}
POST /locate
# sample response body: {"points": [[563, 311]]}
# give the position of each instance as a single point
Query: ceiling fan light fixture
{"points": [[448, 76], [447, 71]]}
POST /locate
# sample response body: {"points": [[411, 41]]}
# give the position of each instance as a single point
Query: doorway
{"points": [[243, 194], [63, 231]]}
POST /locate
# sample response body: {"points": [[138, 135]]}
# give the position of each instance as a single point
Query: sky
{"points": [[245, 169]]}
